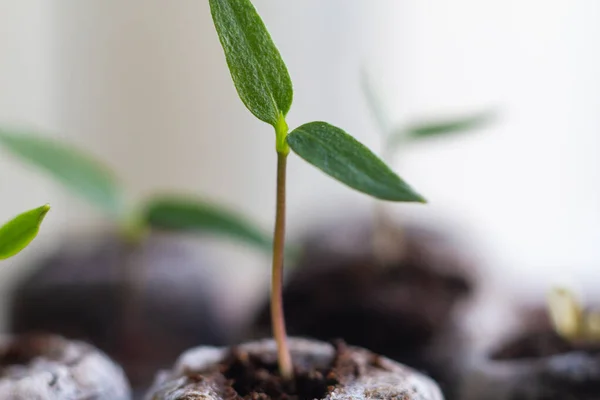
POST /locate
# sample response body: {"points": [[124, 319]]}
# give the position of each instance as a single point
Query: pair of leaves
{"points": [[89, 179], [395, 136], [17, 233], [263, 83]]}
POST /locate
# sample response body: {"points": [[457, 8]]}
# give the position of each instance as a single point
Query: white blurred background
{"points": [[143, 85]]}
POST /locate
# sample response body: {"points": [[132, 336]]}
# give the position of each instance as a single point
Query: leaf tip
{"points": [[414, 198], [43, 210]]}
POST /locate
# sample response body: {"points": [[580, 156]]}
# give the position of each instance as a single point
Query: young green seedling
{"points": [[17, 233], [394, 137], [569, 318], [86, 177], [397, 136], [264, 86]]}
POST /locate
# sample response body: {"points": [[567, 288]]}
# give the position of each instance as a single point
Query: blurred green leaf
{"points": [[258, 71], [428, 129], [78, 172], [374, 102], [17, 233], [183, 214], [342, 157]]}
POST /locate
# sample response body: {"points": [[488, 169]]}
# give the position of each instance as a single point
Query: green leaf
{"points": [[258, 71], [424, 130], [17, 233], [342, 157], [374, 102], [183, 214], [78, 172]]}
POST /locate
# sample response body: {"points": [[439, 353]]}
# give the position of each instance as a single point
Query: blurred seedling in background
{"points": [[264, 86], [17, 233], [396, 137], [569, 318], [89, 179]]}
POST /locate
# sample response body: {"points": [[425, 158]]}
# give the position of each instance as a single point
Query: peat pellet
{"points": [[322, 371], [46, 367], [536, 365]]}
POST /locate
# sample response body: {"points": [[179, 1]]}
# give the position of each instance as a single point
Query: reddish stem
{"points": [[277, 317]]}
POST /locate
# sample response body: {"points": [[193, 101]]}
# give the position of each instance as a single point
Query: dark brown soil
{"points": [[249, 377], [405, 311], [534, 345], [539, 340], [25, 348]]}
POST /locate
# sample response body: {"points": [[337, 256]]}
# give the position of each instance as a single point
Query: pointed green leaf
{"points": [[17, 233], [374, 102], [342, 157], [183, 214], [78, 172], [424, 130], [258, 71]]}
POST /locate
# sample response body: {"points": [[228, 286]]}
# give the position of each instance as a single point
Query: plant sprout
{"points": [[569, 318], [394, 137], [17, 233], [397, 136], [86, 177], [264, 86]]}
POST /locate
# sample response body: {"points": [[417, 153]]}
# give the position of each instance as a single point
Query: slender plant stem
{"points": [[133, 275], [277, 317], [379, 238]]}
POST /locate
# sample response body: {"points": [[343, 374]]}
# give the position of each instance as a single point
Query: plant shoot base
{"points": [[406, 310]]}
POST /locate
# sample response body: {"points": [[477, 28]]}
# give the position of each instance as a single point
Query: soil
{"points": [[405, 311], [80, 293], [25, 348], [535, 345], [247, 376], [538, 340]]}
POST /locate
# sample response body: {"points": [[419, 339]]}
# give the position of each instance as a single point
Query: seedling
{"points": [[89, 179], [264, 86], [398, 136], [569, 319], [17, 233], [86, 177]]}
